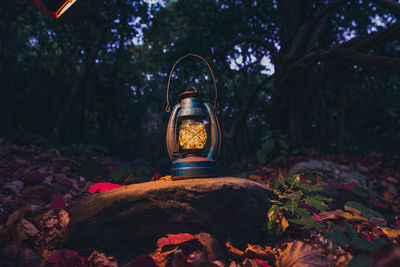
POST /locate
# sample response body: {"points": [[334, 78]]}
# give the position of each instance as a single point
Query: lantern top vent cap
{"points": [[191, 91]]}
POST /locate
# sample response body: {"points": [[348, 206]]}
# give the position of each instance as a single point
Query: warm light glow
{"points": [[67, 4], [192, 135]]}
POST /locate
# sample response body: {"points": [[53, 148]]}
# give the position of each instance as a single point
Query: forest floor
{"points": [[38, 185]]}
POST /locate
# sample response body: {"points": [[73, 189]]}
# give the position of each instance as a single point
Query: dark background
{"points": [[292, 75]]}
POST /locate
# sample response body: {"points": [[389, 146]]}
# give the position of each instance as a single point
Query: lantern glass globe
{"points": [[192, 135]]}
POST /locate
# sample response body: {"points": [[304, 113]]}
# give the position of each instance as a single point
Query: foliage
{"points": [[294, 204], [121, 102], [273, 143]]}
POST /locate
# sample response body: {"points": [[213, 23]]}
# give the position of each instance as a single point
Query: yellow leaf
{"points": [[392, 233], [166, 178], [284, 222]]}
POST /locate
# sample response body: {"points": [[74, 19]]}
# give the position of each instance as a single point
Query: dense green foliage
{"points": [[335, 103]]}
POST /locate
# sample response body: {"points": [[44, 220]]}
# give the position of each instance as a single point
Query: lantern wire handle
{"points": [[168, 108]]}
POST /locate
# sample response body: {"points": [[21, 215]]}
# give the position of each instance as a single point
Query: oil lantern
{"points": [[53, 8], [193, 133]]}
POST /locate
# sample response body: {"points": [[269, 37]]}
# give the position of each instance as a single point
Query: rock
{"points": [[134, 217], [331, 171]]}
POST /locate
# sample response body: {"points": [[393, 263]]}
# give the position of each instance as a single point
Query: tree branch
{"points": [[246, 110], [358, 43], [268, 45], [312, 44], [366, 59], [306, 27], [83, 75], [392, 5]]}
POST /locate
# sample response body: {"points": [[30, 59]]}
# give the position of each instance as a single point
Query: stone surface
{"points": [[331, 171], [136, 216]]}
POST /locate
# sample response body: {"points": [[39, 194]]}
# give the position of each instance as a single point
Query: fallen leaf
{"points": [[66, 258], [388, 196], [97, 259], [174, 239], [337, 214], [155, 177], [15, 186], [30, 229], [13, 217], [166, 178], [103, 187], [298, 253], [392, 233]]}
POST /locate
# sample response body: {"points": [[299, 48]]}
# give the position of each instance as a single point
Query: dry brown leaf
{"points": [[337, 214], [353, 210], [13, 217], [388, 197], [53, 227], [237, 253], [97, 259], [30, 229], [300, 254], [259, 252]]}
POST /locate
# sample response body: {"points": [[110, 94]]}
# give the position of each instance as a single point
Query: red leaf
{"points": [[57, 202], [261, 263], [103, 187], [174, 239], [156, 177], [66, 258], [379, 204], [350, 186], [316, 217], [367, 237]]}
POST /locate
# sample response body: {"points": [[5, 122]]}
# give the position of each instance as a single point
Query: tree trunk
{"points": [[83, 75]]}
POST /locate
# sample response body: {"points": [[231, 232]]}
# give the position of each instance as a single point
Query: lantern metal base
{"points": [[194, 167]]}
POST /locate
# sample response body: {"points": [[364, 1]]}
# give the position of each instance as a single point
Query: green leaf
{"points": [[317, 202], [279, 186], [309, 176], [356, 240], [309, 187], [306, 220], [367, 212], [273, 222], [336, 236], [1, 152]]}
